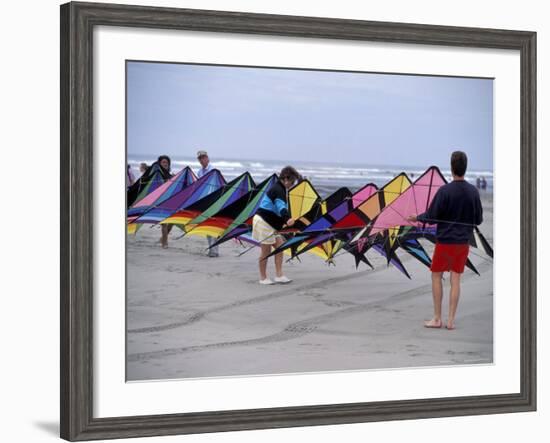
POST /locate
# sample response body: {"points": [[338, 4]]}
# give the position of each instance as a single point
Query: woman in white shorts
{"points": [[271, 217]]}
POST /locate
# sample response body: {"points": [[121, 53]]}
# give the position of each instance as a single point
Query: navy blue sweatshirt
{"points": [[458, 203], [273, 207]]}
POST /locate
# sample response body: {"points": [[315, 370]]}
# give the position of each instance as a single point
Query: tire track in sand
{"points": [[296, 329], [260, 299], [199, 315]]}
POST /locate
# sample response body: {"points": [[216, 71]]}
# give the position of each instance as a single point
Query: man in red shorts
{"points": [[456, 208]]}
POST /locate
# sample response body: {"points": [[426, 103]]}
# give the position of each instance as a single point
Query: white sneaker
{"points": [[282, 280], [267, 281]]}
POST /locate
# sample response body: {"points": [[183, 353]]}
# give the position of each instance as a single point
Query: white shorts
{"points": [[263, 232]]}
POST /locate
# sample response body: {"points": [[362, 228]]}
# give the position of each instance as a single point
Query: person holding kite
{"points": [[165, 163], [456, 209], [271, 217], [204, 160]]}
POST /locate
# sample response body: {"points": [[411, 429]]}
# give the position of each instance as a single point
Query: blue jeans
{"points": [[212, 252]]}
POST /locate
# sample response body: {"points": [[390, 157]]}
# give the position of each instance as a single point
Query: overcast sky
{"points": [[283, 114]]}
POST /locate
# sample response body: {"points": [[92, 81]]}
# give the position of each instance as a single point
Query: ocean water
{"points": [[326, 178]]}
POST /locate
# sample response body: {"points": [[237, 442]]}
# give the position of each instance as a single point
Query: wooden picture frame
{"points": [[77, 23]]}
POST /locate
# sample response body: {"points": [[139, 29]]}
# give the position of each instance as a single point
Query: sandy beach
{"points": [[192, 316]]}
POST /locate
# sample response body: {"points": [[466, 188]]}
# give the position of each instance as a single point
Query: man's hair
{"points": [[289, 171], [459, 163]]}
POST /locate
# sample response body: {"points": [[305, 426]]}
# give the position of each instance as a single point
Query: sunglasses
{"points": [[287, 178]]}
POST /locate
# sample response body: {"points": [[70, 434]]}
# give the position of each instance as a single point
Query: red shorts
{"points": [[450, 257]]}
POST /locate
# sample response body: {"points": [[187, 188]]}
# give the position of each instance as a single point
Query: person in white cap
{"points": [[202, 157]]}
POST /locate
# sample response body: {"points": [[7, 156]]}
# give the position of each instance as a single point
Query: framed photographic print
{"points": [[273, 221]]}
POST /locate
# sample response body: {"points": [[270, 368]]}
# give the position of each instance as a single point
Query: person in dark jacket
{"points": [[455, 209], [272, 216], [166, 164]]}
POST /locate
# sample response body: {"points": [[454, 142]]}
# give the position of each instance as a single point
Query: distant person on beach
{"points": [[483, 183], [478, 183], [456, 208], [204, 160], [272, 216], [142, 168], [130, 179], [166, 164]]}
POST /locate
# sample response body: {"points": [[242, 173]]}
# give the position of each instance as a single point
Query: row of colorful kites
{"points": [[371, 218]]}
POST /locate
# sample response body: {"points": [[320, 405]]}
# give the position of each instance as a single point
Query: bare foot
{"points": [[450, 326], [433, 323]]}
